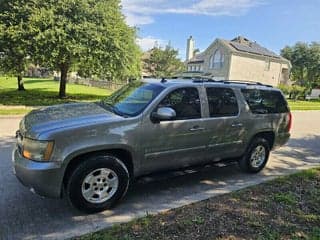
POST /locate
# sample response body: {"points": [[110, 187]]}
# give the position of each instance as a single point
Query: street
{"points": [[24, 215]]}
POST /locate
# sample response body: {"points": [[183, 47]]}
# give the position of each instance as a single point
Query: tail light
{"points": [[289, 122]]}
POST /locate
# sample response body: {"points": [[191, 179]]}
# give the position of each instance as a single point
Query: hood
{"points": [[61, 116]]}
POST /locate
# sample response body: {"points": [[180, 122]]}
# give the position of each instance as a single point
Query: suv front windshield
{"points": [[132, 99]]}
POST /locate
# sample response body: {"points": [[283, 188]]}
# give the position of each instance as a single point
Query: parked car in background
{"points": [[90, 152], [315, 94]]}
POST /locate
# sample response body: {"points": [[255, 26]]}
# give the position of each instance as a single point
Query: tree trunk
{"points": [[63, 80], [20, 83]]}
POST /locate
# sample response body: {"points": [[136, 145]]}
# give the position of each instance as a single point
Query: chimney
{"points": [[190, 48]]}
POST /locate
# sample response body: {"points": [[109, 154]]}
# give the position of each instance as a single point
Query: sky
{"points": [[271, 23]]}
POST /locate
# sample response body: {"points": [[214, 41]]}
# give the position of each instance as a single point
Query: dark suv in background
{"points": [[90, 152]]}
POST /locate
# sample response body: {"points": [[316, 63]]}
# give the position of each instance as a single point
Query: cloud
{"points": [[139, 12], [149, 42]]}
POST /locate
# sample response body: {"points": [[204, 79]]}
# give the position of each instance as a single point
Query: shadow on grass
{"points": [[42, 97]]}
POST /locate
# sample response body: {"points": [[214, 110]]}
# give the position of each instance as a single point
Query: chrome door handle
{"points": [[236, 125], [196, 128]]}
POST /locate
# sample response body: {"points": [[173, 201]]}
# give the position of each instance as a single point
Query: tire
{"points": [[256, 156], [97, 184]]}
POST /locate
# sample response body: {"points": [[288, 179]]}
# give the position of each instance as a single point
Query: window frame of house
{"points": [[267, 65], [216, 60]]}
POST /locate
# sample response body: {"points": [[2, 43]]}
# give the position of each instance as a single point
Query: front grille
{"points": [[19, 138]]}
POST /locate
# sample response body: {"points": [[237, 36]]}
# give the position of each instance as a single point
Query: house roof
{"points": [[242, 46]]}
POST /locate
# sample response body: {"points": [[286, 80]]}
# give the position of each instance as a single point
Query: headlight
{"points": [[37, 150]]}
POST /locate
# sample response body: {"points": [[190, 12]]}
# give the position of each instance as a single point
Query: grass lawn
{"points": [[15, 111], [285, 208], [44, 92], [304, 105]]}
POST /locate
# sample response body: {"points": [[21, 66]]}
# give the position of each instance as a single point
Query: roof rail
{"points": [[247, 82], [204, 79]]}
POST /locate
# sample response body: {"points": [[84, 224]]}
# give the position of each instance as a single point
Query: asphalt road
{"points": [[24, 215]]}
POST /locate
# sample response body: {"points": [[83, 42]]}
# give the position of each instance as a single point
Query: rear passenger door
{"points": [[224, 127]]}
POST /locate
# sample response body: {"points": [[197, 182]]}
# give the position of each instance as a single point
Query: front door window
{"points": [[185, 101]]}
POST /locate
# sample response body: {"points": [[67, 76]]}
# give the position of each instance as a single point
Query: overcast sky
{"points": [[272, 23]]}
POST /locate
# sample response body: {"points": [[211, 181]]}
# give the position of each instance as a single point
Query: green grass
{"points": [[12, 111], [304, 105], [44, 92], [285, 198]]}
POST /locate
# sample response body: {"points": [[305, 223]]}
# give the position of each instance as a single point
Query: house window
{"points": [[267, 65], [189, 68], [216, 60]]}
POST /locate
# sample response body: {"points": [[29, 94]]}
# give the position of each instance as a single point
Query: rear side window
{"points": [[222, 102], [265, 101]]}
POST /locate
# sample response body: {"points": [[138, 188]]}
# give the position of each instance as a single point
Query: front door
{"points": [[178, 142]]}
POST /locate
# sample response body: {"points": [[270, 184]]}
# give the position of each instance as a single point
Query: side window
{"points": [[185, 101], [222, 102], [265, 101]]}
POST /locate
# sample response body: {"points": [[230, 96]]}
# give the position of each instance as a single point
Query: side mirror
{"points": [[163, 113]]}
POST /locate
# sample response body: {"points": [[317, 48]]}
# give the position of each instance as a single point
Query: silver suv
{"points": [[90, 152]]}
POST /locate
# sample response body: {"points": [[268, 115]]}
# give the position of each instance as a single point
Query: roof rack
{"points": [[247, 82], [201, 80], [163, 80]]}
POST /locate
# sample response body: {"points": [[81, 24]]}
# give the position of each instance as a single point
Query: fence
{"points": [[95, 83]]}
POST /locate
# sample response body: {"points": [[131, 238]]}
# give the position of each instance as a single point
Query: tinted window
{"points": [[185, 101], [222, 102], [264, 101]]}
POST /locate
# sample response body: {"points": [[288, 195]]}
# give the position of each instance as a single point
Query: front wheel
{"points": [[256, 156], [97, 183]]}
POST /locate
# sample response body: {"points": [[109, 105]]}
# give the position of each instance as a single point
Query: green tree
{"points": [[163, 62], [15, 37], [305, 59], [88, 34]]}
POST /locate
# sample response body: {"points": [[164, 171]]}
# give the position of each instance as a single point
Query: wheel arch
{"points": [[123, 154], [268, 135]]}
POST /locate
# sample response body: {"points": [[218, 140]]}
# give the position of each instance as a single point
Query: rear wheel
{"points": [[97, 183], [256, 156]]}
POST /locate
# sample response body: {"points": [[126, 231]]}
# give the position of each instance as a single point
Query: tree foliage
{"points": [[163, 62], [89, 34], [15, 37], [305, 59]]}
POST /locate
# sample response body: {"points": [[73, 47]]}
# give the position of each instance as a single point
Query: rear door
{"points": [[224, 127]]}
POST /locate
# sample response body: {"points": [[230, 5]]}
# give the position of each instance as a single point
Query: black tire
{"points": [[76, 183], [246, 163]]}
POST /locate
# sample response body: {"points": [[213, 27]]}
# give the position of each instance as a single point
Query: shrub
{"points": [[294, 91]]}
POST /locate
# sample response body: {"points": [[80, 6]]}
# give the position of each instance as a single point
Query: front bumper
{"points": [[44, 178]]}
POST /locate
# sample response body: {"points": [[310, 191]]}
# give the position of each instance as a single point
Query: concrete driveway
{"points": [[24, 215]]}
